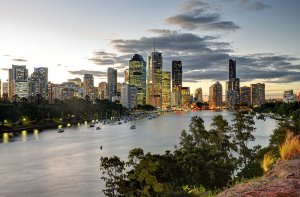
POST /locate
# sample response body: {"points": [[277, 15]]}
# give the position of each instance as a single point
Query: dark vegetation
{"points": [[204, 162]]}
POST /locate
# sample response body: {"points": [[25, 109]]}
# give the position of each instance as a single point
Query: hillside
{"points": [[283, 180]]}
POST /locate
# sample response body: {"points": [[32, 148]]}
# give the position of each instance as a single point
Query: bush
{"points": [[267, 162], [291, 147]]}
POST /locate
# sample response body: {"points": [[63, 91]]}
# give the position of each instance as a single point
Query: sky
{"points": [[73, 37]]}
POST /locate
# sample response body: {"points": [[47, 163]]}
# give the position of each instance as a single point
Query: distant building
{"points": [[257, 94], [50, 92], [154, 79], [112, 83], [88, 86], [38, 83], [185, 97], [176, 82], [18, 82], [0, 89], [126, 76], [166, 90], [245, 95], [102, 91], [129, 96], [137, 77], [5, 90], [297, 97], [289, 96], [232, 86], [77, 82], [215, 96], [198, 95]]}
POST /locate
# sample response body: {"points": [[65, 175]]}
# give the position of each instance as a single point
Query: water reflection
{"points": [[24, 136], [36, 134], [5, 137]]}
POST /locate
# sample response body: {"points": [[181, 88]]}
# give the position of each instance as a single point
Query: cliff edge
{"points": [[283, 180]]}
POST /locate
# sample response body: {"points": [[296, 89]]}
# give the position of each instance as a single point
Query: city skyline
{"points": [[78, 39]]}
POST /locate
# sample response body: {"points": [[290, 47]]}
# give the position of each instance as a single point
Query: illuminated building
{"points": [[77, 81], [185, 97], [154, 79], [102, 91], [215, 96], [137, 77], [88, 86], [38, 83], [112, 83], [18, 82], [198, 95], [245, 95], [166, 90], [177, 82], [257, 94], [126, 75]]}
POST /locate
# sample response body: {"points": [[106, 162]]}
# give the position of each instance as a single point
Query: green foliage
{"points": [[112, 168]]}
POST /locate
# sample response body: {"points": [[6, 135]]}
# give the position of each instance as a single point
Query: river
{"points": [[67, 164]]}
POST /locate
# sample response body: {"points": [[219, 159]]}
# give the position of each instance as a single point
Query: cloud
{"points": [[252, 5], [102, 58], [205, 58], [19, 60], [195, 16], [257, 6], [100, 74], [159, 31], [5, 69]]}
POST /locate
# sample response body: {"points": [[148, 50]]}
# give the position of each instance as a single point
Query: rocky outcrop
{"points": [[283, 180]]}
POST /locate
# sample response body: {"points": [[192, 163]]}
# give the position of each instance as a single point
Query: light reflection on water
{"points": [[67, 164]]}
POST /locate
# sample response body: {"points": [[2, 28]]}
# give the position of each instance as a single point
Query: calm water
{"points": [[67, 164]]}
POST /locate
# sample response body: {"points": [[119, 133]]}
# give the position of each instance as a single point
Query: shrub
{"points": [[267, 162], [290, 147]]}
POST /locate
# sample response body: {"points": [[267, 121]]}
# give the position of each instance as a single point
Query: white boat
{"points": [[98, 128], [60, 130], [133, 127], [92, 125]]}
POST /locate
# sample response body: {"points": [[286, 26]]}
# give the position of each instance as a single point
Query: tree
{"points": [[112, 168]]}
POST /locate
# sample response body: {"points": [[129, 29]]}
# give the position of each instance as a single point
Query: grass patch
{"points": [[267, 162], [290, 147]]}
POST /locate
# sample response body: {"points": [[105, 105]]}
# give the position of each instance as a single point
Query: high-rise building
{"points": [[50, 92], [38, 83], [129, 96], [177, 81], [137, 77], [102, 91], [18, 82], [166, 90], [232, 69], [215, 96], [88, 86], [154, 79], [185, 97], [232, 86], [126, 75], [198, 95], [112, 83], [289, 96], [245, 95], [257, 94]]}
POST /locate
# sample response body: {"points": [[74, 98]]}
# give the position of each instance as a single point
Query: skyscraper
{"points": [[166, 90], [154, 79], [112, 83], [232, 69], [18, 81], [233, 86], [215, 96], [129, 96], [39, 82], [257, 94], [177, 81], [88, 86], [137, 77]]}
